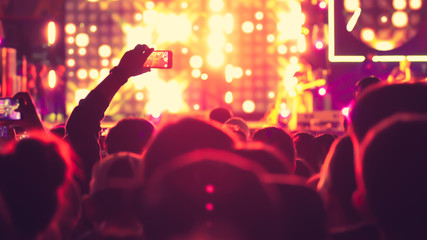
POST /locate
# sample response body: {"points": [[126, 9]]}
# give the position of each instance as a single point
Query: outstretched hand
{"points": [[30, 119], [132, 62]]}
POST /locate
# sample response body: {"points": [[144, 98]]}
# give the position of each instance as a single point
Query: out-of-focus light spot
{"points": [[135, 34], [71, 62], [204, 76], [93, 28], [384, 19], [229, 73], [210, 189], [103, 74], [248, 106], [259, 15], [399, 4], [184, 5], [139, 96], [196, 107], [82, 51], [196, 61], [82, 40], [323, 5], [228, 23], [82, 74], [52, 78], [322, 91], [71, 51], [138, 17], [305, 31], [301, 44], [196, 28], [367, 34], [353, 20], [400, 19], [216, 5], [270, 38], [293, 60], [51, 33], [184, 50], [196, 73], [345, 111], [216, 59], [282, 49], [384, 45], [115, 61], [228, 97], [70, 28], [294, 49], [93, 73], [209, 207], [104, 51], [259, 27], [283, 106], [105, 62], [216, 23], [351, 5], [271, 95], [237, 72], [285, 113], [70, 40], [216, 41], [248, 72], [156, 114], [149, 5], [80, 94], [157, 89], [415, 4], [228, 47], [248, 27], [319, 45]]}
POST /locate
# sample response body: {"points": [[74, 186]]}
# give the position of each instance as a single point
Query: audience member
{"points": [[220, 114], [240, 127]]}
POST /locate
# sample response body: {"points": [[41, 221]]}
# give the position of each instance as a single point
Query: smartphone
{"points": [[159, 59], [8, 108]]}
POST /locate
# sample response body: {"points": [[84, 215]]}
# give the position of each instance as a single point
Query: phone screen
{"points": [[159, 59], [7, 109]]}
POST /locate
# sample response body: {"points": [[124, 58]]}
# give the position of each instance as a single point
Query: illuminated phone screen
{"points": [[159, 59], [7, 109]]}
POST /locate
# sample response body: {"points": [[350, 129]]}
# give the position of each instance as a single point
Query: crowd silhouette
{"points": [[214, 177]]}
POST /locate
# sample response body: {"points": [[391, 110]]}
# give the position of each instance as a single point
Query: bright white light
{"points": [[196, 61], [196, 107], [319, 45], [184, 5], [415, 4], [228, 23], [282, 49], [399, 4], [196, 73], [82, 51], [82, 74], [322, 91], [71, 62], [204, 76], [80, 94], [93, 73], [138, 17], [139, 96], [216, 59], [270, 38], [248, 27], [217, 23], [353, 20], [216, 41], [248, 106], [323, 5], [70, 40], [52, 78], [82, 40], [271, 95], [345, 111], [105, 62], [351, 5], [367, 34], [400, 19], [259, 15], [104, 51], [228, 97], [216, 5], [259, 27], [228, 47], [149, 5], [93, 28], [70, 28], [51, 33]]}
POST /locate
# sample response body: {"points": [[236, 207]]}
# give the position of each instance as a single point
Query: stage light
{"points": [[399, 19], [196, 61], [259, 27], [82, 74], [80, 94], [216, 5], [270, 38], [93, 28], [384, 45], [70, 40], [285, 113], [384, 19], [70, 28], [184, 5], [248, 27], [71, 62], [115, 61], [228, 47], [209, 207], [294, 49], [149, 5], [70, 51], [367, 34], [82, 51], [184, 50], [103, 73], [104, 51], [82, 40], [301, 44], [319, 45], [93, 73], [196, 107], [216, 59], [248, 72], [259, 15], [210, 189], [52, 78], [282, 49], [228, 23], [196, 73], [105, 62], [216, 23], [345, 111], [351, 5], [323, 5], [138, 17], [415, 4], [51, 33], [216, 41], [271, 95], [228, 97], [204, 76], [322, 91], [139, 96], [399, 4], [294, 60], [248, 106]]}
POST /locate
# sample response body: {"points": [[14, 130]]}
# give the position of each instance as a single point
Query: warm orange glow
{"points": [[216, 5], [216, 59]]}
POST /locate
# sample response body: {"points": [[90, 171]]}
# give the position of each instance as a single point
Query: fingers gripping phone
{"points": [[8, 108], [159, 59]]}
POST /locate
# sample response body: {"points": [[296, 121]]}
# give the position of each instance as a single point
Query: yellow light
{"points": [[282, 49], [52, 78], [196, 61], [216, 41], [384, 45], [184, 50], [248, 106], [248, 72], [216, 5], [228, 47], [82, 74], [139, 96], [384, 19], [80, 94], [302, 45], [196, 73], [71, 51], [400, 19], [71, 62], [259, 27], [70, 40], [196, 107], [389, 58], [353, 20], [294, 60], [367, 34], [93, 28], [70, 28], [229, 73], [93, 73], [204, 76], [415, 4], [323, 5], [104, 51], [82, 51], [259, 15], [319, 45], [138, 17], [216, 23], [237, 72], [228, 97], [149, 17], [196, 28], [115, 61], [271, 94], [294, 49], [351, 5], [157, 90], [103, 74], [105, 62], [135, 34], [51, 33], [270, 38], [248, 27], [149, 5], [216, 59], [82, 40], [228, 23], [399, 4], [184, 5]]}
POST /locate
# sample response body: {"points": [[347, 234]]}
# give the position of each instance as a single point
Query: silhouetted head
{"points": [[279, 139], [239, 126], [306, 150], [364, 83], [185, 135], [58, 130], [323, 144], [220, 114], [129, 135]]}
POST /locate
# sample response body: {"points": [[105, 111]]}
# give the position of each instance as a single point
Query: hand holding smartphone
{"points": [[159, 59], [8, 108]]}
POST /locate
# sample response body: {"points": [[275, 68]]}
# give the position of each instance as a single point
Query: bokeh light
{"points": [[82, 40], [248, 106]]}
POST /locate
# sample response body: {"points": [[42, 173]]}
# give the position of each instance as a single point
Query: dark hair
{"points": [[220, 114]]}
